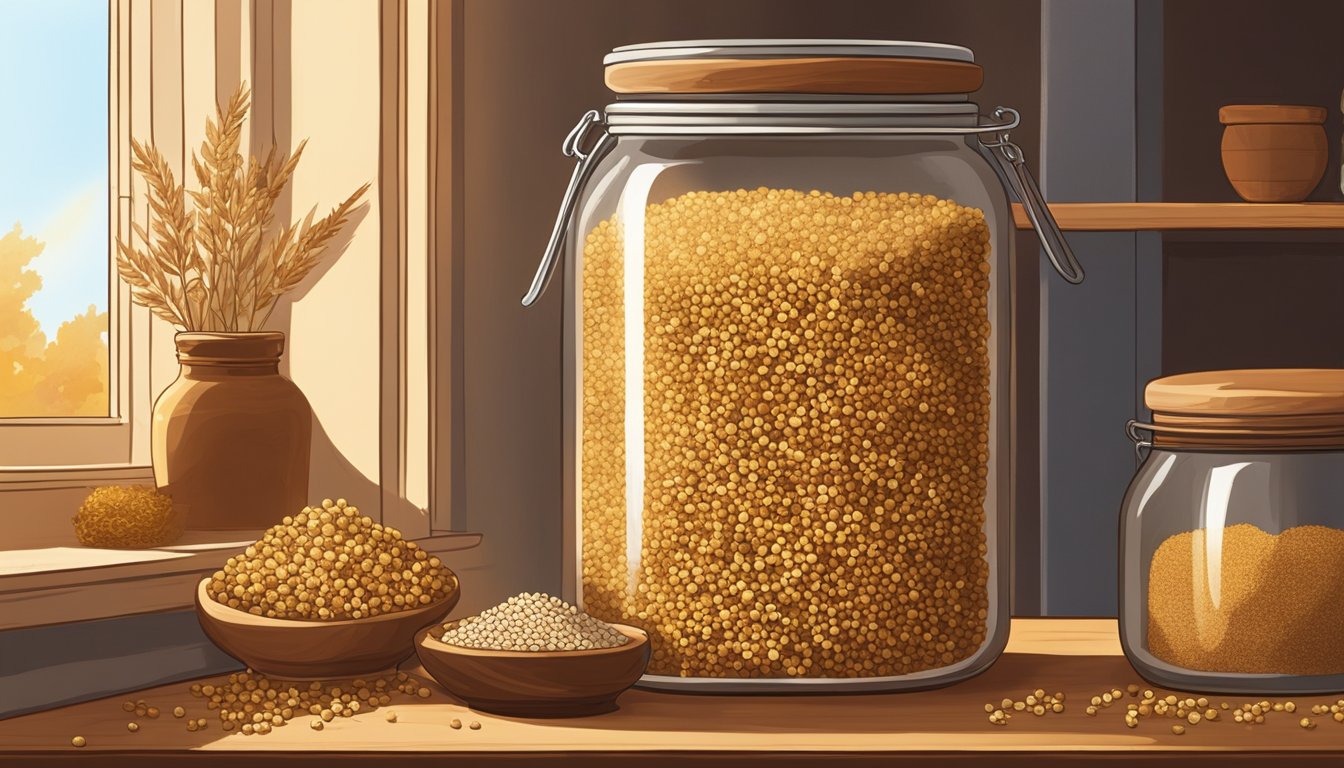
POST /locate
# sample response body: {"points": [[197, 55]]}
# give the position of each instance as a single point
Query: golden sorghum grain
{"points": [[1036, 702], [455, 723], [330, 563], [816, 405], [78, 741], [1262, 604], [253, 703], [127, 517]]}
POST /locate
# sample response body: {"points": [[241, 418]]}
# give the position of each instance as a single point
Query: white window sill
{"points": [[56, 585]]}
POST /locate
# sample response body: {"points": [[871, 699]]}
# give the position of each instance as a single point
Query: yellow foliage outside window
{"points": [[65, 376]]}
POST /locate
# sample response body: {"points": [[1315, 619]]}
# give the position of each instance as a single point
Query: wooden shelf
{"points": [[945, 727], [1128, 217]]}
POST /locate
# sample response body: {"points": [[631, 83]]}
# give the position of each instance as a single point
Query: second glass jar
{"points": [[1232, 534]]}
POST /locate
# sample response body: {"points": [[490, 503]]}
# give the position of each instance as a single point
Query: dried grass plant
{"points": [[211, 259]]}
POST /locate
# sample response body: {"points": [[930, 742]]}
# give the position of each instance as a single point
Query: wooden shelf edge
{"points": [[1133, 217], [943, 728]]}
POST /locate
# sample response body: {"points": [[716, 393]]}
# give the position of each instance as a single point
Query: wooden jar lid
{"points": [[859, 67], [1263, 409], [1239, 114]]}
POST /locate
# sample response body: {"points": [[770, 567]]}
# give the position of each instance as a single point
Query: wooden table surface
{"points": [[1080, 657]]}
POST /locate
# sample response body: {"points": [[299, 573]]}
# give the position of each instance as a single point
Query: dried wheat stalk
{"points": [[220, 264]]}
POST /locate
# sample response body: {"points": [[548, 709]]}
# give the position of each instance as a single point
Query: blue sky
{"points": [[53, 147]]}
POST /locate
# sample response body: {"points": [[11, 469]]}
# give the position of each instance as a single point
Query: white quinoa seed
{"points": [[534, 621]]}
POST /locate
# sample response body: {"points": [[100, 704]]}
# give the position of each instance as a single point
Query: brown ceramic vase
{"points": [[231, 436]]}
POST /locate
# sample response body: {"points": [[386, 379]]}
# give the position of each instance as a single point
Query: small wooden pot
{"points": [[1273, 153]]}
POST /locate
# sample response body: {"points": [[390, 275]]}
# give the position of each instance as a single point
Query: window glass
{"points": [[54, 235]]}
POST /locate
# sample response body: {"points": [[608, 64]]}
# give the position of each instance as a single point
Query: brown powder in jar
{"points": [[1268, 604], [816, 406]]}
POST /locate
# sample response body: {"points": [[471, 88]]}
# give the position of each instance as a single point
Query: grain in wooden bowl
{"points": [[534, 683], [327, 593]]}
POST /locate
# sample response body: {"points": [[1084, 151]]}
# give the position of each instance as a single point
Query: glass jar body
{"points": [[1231, 568], [786, 443]]}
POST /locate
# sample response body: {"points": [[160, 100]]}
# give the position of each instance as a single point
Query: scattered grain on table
{"points": [[255, 704]]}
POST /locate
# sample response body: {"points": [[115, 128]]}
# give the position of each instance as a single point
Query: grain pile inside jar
{"points": [[815, 405], [330, 563], [1249, 601], [534, 621]]}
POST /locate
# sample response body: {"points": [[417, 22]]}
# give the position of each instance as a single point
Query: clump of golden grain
{"points": [[127, 517], [219, 264]]}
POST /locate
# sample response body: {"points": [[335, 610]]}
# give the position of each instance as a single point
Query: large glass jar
{"points": [[786, 332], [1232, 534]]}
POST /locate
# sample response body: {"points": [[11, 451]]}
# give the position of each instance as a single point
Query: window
{"points": [[66, 328], [54, 208]]}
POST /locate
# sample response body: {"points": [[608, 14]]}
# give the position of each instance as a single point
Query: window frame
{"points": [[35, 447]]}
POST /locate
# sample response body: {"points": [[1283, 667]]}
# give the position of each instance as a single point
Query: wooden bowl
{"points": [[317, 650], [540, 684], [1273, 153]]}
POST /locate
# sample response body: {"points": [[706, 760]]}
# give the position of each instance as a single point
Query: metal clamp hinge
{"points": [[571, 147], [1013, 162], [1132, 429]]}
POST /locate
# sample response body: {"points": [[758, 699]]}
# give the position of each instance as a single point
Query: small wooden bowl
{"points": [[540, 684], [1273, 153], [317, 650]]}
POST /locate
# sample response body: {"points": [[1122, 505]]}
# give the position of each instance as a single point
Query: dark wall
{"points": [[1248, 299], [529, 69], [1252, 305], [1222, 52]]}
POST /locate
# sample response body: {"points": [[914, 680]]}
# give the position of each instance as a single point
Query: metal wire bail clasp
{"points": [[1133, 429], [572, 147], [1010, 157]]}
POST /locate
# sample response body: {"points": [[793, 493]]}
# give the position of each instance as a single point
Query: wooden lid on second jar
{"points": [[1255, 409]]}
